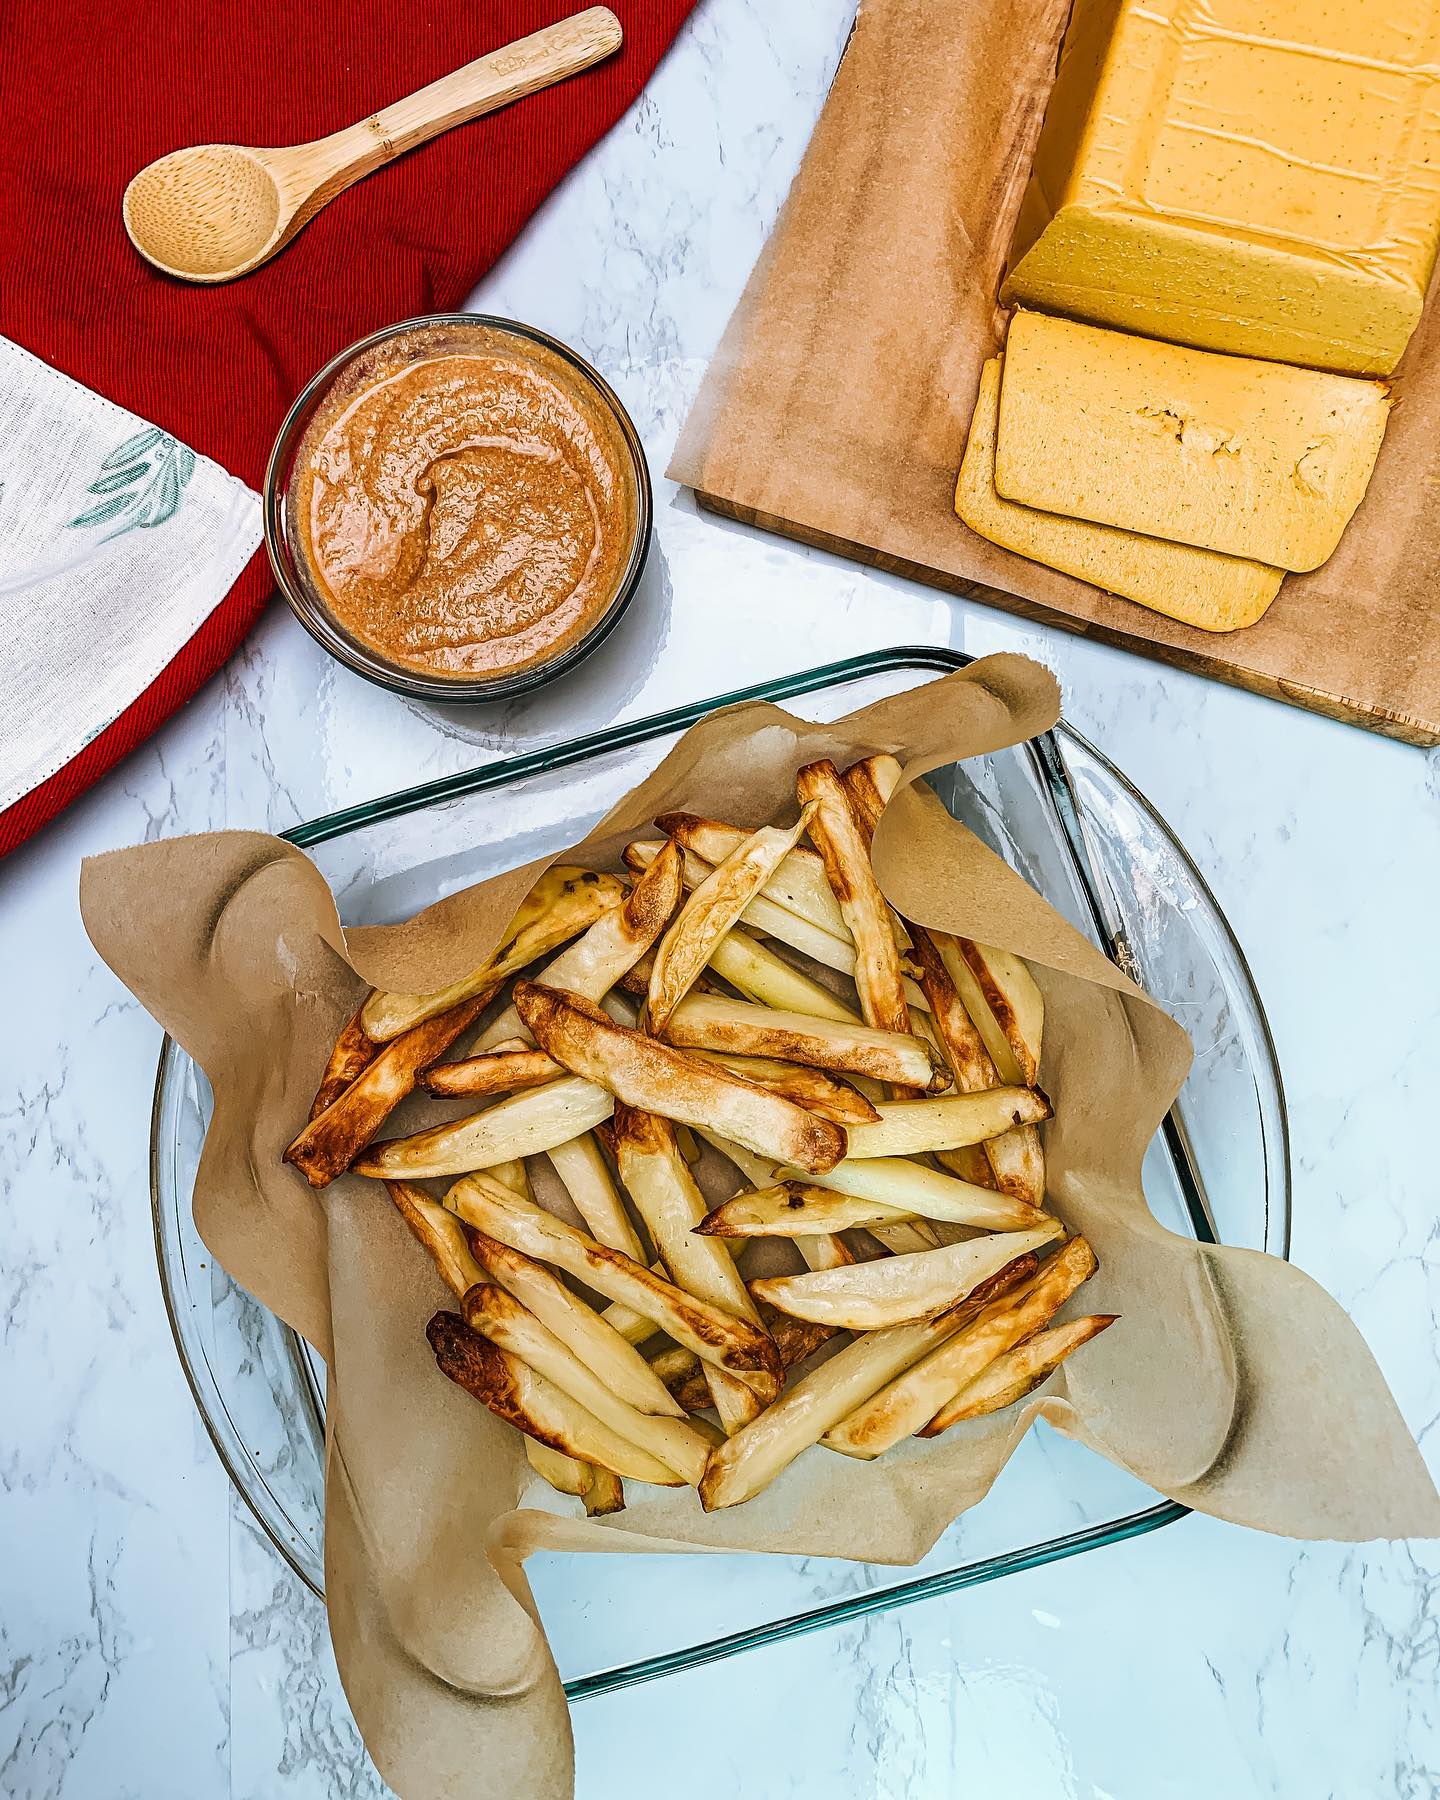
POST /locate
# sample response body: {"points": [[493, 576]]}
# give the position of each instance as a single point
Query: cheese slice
{"points": [[1197, 587], [1255, 176], [1255, 459]]}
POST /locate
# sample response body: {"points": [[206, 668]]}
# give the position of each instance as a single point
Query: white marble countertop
{"points": [[152, 1645]]}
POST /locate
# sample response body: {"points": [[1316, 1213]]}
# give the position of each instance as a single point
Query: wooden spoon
{"points": [[216, 211]]}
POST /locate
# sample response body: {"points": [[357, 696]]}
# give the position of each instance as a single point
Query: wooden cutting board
{"points": [[836, 408]]}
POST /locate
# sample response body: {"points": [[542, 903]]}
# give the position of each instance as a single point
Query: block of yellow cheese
{"points": [[1255, 176], [1255, 459], [1198, 587]]}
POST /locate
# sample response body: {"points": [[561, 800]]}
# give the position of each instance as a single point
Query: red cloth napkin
{"points": [[95, 89]]}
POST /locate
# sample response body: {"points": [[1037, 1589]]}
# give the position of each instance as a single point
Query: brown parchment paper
{"points": [[837, 405], [1210, 1388]]}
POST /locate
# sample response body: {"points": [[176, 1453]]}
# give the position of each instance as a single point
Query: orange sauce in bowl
{"points": [[466, 502]]}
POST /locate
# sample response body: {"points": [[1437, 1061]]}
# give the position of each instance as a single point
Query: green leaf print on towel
{"points": [[141, 483]]}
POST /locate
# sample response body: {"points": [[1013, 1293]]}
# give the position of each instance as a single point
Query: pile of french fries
{"points": [[873, 1086]]}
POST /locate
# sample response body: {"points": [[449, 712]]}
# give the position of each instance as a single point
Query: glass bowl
{"points": [[303, 594], [1071, 824]]}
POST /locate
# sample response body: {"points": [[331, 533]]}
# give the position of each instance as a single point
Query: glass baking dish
{"points": [[1068, 821]]}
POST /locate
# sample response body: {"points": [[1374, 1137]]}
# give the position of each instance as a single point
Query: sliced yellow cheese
{"points": [[1255, 176], [1254, 459], [1198, 587]]}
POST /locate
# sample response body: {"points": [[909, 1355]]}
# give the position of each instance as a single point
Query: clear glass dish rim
{"points": [[327, 630], [942, 660]]}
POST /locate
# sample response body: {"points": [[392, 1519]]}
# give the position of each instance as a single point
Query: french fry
{"points": [[811, 1088], [602, 1350], [666, 1197], [795, 1209], [714, 1335], [1015, 1158], [709, 1022], [751, 1460], [330, 1143], [761, 975], [820, 1251], [896, 1181], [520, 1126], [586, 1179], [562, 1472], [514, 1175], [1020, 1371], [499, 1316], [616, 943], [658, 1078], [898, 1289], [1001, 997], [561, 903], [843, 849], [354, 1051], [913, 1399], [798, 884], [710, 911], [605, 1494], [870, 784], [521, 1396], [968, 1162], [508, 1069], [441, 1233], [911, 1127], [779, 922]]}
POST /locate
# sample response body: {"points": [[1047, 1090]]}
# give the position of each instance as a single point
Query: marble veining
{"points": [[151, 1643]]}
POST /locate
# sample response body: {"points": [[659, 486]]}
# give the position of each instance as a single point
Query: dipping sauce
{"points": [[466, 501]]}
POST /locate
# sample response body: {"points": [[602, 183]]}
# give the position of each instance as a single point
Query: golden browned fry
{"points": [[761, 975], [658, 1078], [602, 1350], [586, 1179], [911, 1127], [811, 1088], [798, 884], [710, 1022], [823, 1251], [331, 1142], [563, 1473], [803, 1414], [665, 1195], [796, 1209], [499, 1316], [913, 1399], [605, 1494], [524, 1398], [751, 1460], [760, 912], [896, 1289], [522, 1125], [714, 1335], [354, 1051], [441, 1233], [1001, 996], [969, 1163], [637, 980], [507, 1069], [710, 911], [1021, 1370], [1015, 1157], [615, 945], [841, 843], [561, 903], [514, 1175], [796, 1339], [870, 783]]}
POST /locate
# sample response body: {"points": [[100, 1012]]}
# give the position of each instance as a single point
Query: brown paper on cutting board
{"points": [[1206, 1389], [837, 405]]}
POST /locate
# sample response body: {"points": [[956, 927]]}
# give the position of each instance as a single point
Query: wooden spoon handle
{"points": [[492, 81]]}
